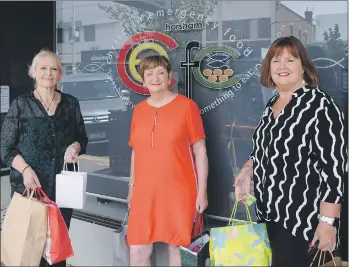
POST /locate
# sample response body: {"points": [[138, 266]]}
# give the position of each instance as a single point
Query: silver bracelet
{"points": [[131, 185]]}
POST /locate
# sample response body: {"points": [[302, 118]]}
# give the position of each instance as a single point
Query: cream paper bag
{"points": [[71, 188], [23, 234]]}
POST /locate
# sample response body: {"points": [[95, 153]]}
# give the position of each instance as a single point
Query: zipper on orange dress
{"points": [[152, 132]]}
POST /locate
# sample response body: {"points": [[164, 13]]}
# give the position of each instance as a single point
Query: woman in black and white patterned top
{"points": [[299, 158]]}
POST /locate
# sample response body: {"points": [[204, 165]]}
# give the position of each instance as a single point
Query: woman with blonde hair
{"points": [[42, 130]]}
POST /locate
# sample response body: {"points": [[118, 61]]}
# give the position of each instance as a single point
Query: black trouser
{"points": [[288, 250], [66, 214]]}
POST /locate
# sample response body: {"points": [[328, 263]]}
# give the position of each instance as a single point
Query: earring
{"points": [[303, 82]]}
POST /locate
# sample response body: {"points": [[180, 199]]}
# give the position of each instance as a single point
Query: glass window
{"points": [[60, 36], [244, 26], [74, 34], [264, 29], [89, 90], [239, 28], [90, 33], [291, 30], [212, 32], [101, 69]]}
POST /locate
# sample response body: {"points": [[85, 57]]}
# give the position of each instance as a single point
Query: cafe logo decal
{"points": [[130, 56], [214, 70], [184, 26], [211, 66]]}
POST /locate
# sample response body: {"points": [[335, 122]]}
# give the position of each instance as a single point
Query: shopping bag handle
{"points": [[29, 195], [322, 253], [125, 218], [44, 198], [233, 213], [65, 168]]}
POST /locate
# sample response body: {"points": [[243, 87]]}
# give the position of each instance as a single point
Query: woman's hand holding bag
{"points": [[30, 179], [71, 154], [243, 182], [58, 246]]}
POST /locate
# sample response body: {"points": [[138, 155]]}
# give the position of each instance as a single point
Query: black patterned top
{"points": [[300, 159], [39, 138]]}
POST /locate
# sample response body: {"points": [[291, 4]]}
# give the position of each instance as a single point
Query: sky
{"points": [[318, 7]]}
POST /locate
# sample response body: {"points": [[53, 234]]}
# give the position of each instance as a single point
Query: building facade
{"points": [[97, 27], [110, 37], [101, 44]]}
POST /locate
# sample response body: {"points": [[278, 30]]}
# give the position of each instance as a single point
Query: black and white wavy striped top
{"points": [[299, 160]]}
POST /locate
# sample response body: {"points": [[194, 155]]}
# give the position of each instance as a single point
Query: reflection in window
{"points": [[101, 25], [244, 26], [77, 34], [227, 30], [90, 33], [212, 34], [89, 90], [264, 28], [239, 28], [291, 30], [60, 36]]}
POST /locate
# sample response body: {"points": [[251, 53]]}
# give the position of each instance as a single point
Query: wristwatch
{"points": [[331, 221]]}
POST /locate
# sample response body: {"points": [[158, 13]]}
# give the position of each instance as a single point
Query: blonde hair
{"points": [[44, 53]]}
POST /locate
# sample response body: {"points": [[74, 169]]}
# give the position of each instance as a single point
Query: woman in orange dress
{"points": [[169, 167]]}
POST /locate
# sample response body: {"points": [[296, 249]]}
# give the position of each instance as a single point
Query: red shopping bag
{"points": [[199, 225], [58, 246]]}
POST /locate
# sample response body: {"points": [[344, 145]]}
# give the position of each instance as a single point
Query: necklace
{"points": [[47, 107]]}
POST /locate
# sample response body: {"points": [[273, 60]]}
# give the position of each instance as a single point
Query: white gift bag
{"points": [[71, 188]]}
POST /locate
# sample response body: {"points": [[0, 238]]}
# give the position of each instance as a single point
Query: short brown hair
{"points": [[295, 47], [152, 62]]}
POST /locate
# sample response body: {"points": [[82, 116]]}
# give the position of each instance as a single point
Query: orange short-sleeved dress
{"points": [[162, 208]]}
